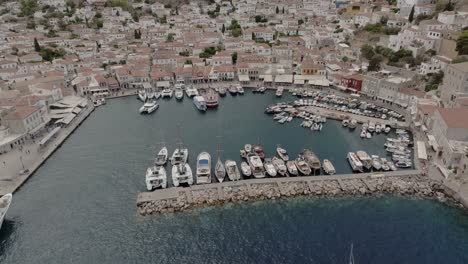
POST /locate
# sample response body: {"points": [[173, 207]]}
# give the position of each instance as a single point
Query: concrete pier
{"points": [[407, 182]]}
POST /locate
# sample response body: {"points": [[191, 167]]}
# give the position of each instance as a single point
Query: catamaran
{"points": [[203, 168], [149, 107], [182, 173], [155, 178], [167, 93], [190, 91], [180, 155]]}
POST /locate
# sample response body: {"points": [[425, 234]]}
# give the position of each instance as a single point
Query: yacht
{"points": [[261, 89], [371, 127], [5, 202], [190, 91], [149, 107], [353, 124], [161, 158], [167, 93], [279, 91], [365, 159], [179, 156], [282, 153], [150, 95], [97, 103], [269, 167], [142, 95], [240, 90], [199, 102], [232, 90], [155, 178], [179, 94], [182, 173], [363, 133], [312, 160], [203, 168], [245, 168], [354, 161], [280, 167], [256, 165], [232, 170], [328, 167], [302, 166], [222, 91], [378, 128], [157, 95], [392, 166], [258, 150], [220, 170], [292, 169], [376, 162], [211, 98]]}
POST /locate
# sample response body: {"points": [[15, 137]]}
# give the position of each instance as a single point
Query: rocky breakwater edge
{"points": [[270, 189]]}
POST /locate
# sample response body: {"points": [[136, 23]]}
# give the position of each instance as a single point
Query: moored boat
{"points": [[182, 173], [232, 90], [282, 153], [203, 168], [161, 158], [269, 167], [354, 161], [222, 91], [167, 93], [280, 167], [303, 167], [365, 159], [240, 90], [376, 162], [5, 202], [256, 165], [180, 155], [246, 170], [312, 160], [232, 170], [328, 167], [199, 102], [156, 177], [179, 94], [220, 170], [292, 169], [279, 91], [211, 98]]}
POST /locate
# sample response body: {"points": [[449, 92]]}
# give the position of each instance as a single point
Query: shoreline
{"points": [[411, 183]]}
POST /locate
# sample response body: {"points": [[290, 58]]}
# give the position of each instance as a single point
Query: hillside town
{"points": [[56, 56]]}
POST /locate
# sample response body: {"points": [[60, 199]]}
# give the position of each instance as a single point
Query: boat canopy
{"points": [[203, 161], [422, 150], [244, 78], [47, 138]]}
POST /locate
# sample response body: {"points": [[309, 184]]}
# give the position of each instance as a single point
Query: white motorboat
{"points": [[352, 124], [292, 169], [157, 95], [5, 202], [179, 156], [142, 95], [167, 93], [179, 94], [190, 91], [376, 162], [345, 122], [203, 168], [378, 128], [387, 129], [232, 170], [222, 91], [384, 163], [182, 173], [365, 159], [245, 168], [248, 148], [368, 135], [149, 107], [240, 90], [363, 133], [371, 127], [279, 91], [354, 161], [269, 167], [161, 158], [303, 167], [282, 153], [328, 167], [256, 165], [97, 103], [155, 178], [232, 90], [199, 102], [150, 95], [279, 165], [392, 166], [220, 170]]}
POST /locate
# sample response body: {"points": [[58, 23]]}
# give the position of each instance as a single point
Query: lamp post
{"points": [[21, 160]]}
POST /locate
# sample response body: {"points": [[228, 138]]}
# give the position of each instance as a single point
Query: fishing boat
{"points": [[292, 169], [365, 159], [220, 170], [156, 178], [248, 148], [258, 150], [282, 153], [328, 167], [302, 166], [240, 90], [232, 90], [179, 94], [312, 160], [269, 167], [167, 93], [211, 98], [256, 165], [5, 202], [222, 91], [180, 155], [203, 168], [245, 168], [199, 102], [161, 158], [232, 170], [182, 173], [280, 167], [279, 91], [376, 162], [149, 107], [354, 161]]}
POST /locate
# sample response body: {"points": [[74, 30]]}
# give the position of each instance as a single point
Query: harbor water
{"points": [[80, 205]]}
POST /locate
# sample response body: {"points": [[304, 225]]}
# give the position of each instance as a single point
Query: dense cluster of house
{"points": [[106, 47]]}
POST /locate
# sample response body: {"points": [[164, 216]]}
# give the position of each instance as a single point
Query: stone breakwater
{"points": [[181, 199]]}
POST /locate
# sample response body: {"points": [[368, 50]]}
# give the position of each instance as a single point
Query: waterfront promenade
{"points": [[32, 156]]}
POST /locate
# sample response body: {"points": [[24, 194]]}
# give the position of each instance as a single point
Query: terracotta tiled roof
{"points": [[455, 117]]}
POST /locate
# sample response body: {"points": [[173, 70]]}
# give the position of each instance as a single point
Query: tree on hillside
{"points": [[411, 15], [367, 51], [462, 43], [277, 10], [374, 62], [283, 10], [234, 57], [223, 29], [28, 7], [37, 47]]}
